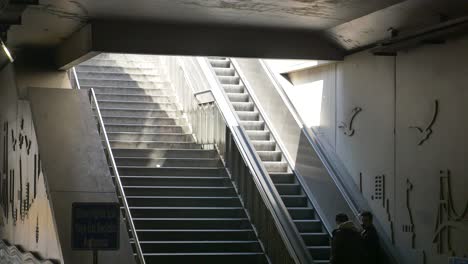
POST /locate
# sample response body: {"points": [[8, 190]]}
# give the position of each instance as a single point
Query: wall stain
{"points": [[306, 8]]}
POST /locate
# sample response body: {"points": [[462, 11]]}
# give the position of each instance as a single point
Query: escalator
{"points": [[292, 193]]}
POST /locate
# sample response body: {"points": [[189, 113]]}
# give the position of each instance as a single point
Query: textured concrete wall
{"points": [[75, 165], [37, 189], [26, 218], [395, 94]]}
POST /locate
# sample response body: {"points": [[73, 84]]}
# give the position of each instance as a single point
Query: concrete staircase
{"points": [[292, 193], [184, 206]]}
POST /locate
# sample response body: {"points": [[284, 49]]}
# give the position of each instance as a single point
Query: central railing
{"points": [[215, 125]]}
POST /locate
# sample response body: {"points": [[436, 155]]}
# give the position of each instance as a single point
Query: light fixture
{"points": [[7, 51]]}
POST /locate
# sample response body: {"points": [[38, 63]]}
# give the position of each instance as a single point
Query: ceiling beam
{"points": [[198, 40]]}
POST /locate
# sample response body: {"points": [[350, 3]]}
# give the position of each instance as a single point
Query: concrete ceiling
{"points": [[52, 20], [348, 24], [290, 14]]}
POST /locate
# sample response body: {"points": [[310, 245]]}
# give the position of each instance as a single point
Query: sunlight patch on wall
{"points": [[307, 98]]}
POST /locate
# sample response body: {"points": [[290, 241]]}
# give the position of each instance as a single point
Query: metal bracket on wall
{"points": [[28, 144], [448, 218], [347, 127], [360, 182], [409, 228], [13, 140], [37, 229], [379, 189], [21, 140], [426, 132]]}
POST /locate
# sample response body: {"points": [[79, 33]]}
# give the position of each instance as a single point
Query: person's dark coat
{"points": [[346, 246], [370, 241]]}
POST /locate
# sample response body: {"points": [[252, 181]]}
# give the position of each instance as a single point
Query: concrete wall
{"points": [[36, 201], [395, 94], [26, 218], [75, 165]]}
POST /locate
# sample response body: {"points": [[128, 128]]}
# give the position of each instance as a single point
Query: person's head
{"points": [[341, 218], [366, 218]]}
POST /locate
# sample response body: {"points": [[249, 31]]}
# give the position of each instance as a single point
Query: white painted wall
{"points": [[394, 94]]}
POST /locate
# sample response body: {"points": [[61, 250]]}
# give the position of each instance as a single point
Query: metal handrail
{"points": [[289, 230], [119, 185], [74, 78]]}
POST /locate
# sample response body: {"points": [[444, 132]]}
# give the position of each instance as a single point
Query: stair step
{"points": [[243, 106], [229, 79], [225, 71], [253, 125], [295, 200], [166, 153], [220, 63], [309, 226], [133, 91], [167, 171], [248, 115], [282, 177], [153, 144], [184, 201], [136, 105], [288, 188], [199, 246], [83, 68], [129, 98], [137, 85], [127, 57], [233, 88], [238, 97], [139, 112], [187, 212], [179, 191], [207, 234], [262, 145], [154, 121], [302, 212], [118, 76], [258, 134], [241, 227], [164, 137], [316, 239], [119, 63], [168, 162], [207, 258], [270, 155], [275, 166], [138, 128], [91, 83], [320, 252], [175, 181]]}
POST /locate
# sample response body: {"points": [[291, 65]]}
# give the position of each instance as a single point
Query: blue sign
{"points": [[95, 226], [458, 260]]}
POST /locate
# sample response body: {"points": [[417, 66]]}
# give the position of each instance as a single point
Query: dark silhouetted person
{"points": [[370, 239], [346, 246]]}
